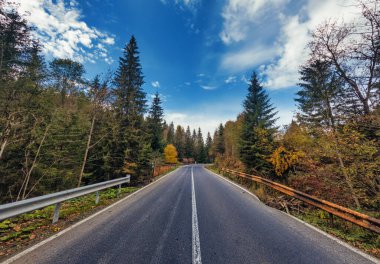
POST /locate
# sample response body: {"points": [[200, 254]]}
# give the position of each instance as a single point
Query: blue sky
{"points": [[198, 54]]}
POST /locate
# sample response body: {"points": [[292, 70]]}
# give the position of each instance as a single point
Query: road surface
{"points": [[192, 216]]}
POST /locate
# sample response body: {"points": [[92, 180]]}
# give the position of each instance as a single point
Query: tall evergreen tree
{"points": [[208, 148], [321, 98], [155, 124], [200, 146], [189, 146], [194, 145], [170, 134], [219, 140], [179, 141], [256, 139], [130, 106], [67, 77]]}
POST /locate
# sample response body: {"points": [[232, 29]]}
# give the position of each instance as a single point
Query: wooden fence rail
{"points": [[347, 214], [160, 169]]}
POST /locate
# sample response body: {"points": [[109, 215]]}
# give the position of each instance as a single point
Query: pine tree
{"points": [[256, 139], [219, 140], [170, 134], [155, 124], [130, 106], [67, 77], [188, 144], [194, 145], [179, 142], [208, 145], [321, 98], [201, 151]]}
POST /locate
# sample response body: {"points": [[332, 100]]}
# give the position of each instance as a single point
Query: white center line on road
{"points": [[196, 243]]}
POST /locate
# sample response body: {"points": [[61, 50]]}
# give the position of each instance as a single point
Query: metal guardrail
{"points": [[352, 216], [24, 206]]}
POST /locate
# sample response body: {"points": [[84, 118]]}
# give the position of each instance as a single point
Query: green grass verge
{"points": [[24, 230]]}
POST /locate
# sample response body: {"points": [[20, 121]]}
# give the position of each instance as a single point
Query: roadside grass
{"points": [[27, 229], [23, 231], [359, 237]]}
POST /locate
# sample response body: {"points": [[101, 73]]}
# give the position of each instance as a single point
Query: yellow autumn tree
{"points": [[171, 154], [283, 159]]}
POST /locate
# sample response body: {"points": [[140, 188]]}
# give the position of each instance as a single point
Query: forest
{"points": [[331, 149], [59, 130]]}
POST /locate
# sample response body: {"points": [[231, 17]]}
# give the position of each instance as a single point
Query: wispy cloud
{"points": [[296, 33], [239, 15], [247, 58], [64, 34], [281, 51], [156, 84], [191, 5], [208, 87], [230, 79]]}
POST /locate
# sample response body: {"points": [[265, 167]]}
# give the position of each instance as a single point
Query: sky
{"points": [[197, 54]]}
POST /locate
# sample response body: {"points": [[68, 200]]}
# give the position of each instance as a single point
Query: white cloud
{"points": [[239, 15], [207, 122], [208, 87], [279, 58], [156, 84], [296, 34], [244, 59], [191, 5], [63, 33], [230, 79]]}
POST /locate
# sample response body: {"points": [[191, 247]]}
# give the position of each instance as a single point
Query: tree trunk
{"points": [[341, 163], [347, 177], [5, 137], [34, 163], [86, 151]]}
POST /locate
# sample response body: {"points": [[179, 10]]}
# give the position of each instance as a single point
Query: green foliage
{"points": [[155, 124], [130, 106], [256, 139]]}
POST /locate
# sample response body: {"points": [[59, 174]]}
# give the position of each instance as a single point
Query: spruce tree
{"points": [[194, 145], [155, 124], [179, 142], [201, 151], [318, 94], [170, 134], [208, 148], [188, 144], [219, 140], [256, 139], [130, 106]]}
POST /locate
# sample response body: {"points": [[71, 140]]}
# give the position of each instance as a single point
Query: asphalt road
{"points": [[192, 216]]}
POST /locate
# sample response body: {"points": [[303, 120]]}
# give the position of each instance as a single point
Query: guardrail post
{"points": [[119, 190], [56, 213], [331, 219], [97, 197]]}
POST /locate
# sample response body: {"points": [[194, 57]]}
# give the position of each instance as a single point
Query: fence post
{"points": [[56, 213], [331, 216], [97, 197]]}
